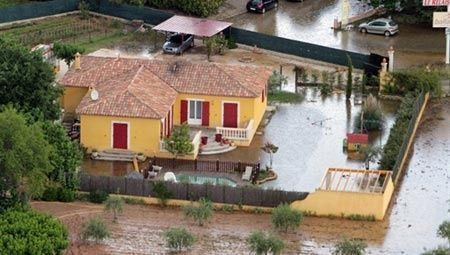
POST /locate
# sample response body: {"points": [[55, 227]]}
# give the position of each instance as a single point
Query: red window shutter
{"points": [[205, 114], [183, 111]]}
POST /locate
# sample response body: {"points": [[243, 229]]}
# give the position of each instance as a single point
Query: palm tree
{"points": [[271, 149]]}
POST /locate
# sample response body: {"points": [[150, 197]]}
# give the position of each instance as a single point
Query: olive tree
{"points": [[285, 218], [114, 204], [200, 212], [350, 247], [262, 243], [178, 239], [94, 229]]}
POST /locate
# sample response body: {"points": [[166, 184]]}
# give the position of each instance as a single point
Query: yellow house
{"points": [[133, 104]]}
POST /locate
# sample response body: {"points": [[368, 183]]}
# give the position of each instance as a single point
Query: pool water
{"points": [[201, 179]]}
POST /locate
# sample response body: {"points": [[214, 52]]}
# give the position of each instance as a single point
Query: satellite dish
{"points": [[94, 94]]}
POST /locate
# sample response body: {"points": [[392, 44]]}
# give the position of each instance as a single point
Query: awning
{"points": [[193, 26]]}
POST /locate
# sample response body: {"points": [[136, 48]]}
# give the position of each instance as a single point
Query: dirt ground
{"points": [[140, 228]]}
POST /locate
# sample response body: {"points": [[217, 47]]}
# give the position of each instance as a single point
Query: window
{"points": [[378, 24], [195, 112]]}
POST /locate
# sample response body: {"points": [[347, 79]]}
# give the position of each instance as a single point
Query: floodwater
{"points": [[311, 21]]}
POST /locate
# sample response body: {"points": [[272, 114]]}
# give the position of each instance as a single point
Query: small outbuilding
{"points": [[355, 142], [194, 26]]}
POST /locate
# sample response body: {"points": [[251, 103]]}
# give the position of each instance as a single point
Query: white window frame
{"points": [[128, 132], [197, 122], [238, 111]]}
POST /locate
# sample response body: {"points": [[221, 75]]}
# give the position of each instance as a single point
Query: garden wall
{"points": [[241, 195]]}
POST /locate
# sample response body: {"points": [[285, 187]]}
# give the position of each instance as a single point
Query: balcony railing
{"points": [[237, 133]]}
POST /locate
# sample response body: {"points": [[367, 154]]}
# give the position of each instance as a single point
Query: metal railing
{"points": [[237, 133]]}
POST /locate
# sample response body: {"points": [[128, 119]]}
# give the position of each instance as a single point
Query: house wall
{"points": [[72, 97], [338, 203], [144, 134]]}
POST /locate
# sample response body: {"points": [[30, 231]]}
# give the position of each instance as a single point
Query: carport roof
{"points": [[194, 26]]}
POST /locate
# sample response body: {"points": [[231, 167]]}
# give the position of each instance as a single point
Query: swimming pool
{"points": [[202, 179]]}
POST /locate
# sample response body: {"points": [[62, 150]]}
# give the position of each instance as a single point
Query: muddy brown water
{"points": [[311, 21]]}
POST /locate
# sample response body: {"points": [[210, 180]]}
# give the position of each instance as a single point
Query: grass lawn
{"points": [[7, 3], [285, 97]]}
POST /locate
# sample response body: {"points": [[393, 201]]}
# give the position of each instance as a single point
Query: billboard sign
{"points": [[441, 19], [436, 2]]}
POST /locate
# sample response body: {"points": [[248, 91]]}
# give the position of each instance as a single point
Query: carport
{"points": [[194, 26]]}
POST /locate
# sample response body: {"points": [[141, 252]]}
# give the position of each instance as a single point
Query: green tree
{"points": [[444, 230], [83, 6], [348, 88], [26, 81], [262, 243], [24, 157], [276, 80], [178, 239], [162, 193], [114, 204], [28, 232], [350, 247], [179, 142], [438, 251], [65, 156], [284, 218], [94, 229], [200, 212], [370, 154], [67, 51]]}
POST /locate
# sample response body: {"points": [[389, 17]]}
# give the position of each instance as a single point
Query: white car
{"points": [[383, 26]]}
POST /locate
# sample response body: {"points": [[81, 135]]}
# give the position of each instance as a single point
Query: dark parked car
{"points": [[261, 5], [178, 43]]}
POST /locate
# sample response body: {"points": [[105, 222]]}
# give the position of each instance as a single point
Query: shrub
{"points": [[350, 247], [228, 208], [200, 213], [114, 205], [284, 218], [415, 80], [372, 116], [276, 81], [231, 43], [98, 196], [94, 229], [178, 238], [162, 193], [28, 232], [262, 243], [66, 195], [438, 251], [50, 194], [444, 230]]}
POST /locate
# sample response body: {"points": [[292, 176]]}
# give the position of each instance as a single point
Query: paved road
{"points": [[311, 21]]}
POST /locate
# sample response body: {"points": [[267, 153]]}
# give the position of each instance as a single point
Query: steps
{"points": [[116, 155], [213, 148]]}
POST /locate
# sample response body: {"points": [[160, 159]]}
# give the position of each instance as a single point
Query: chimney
{"points": [[77, 62]]}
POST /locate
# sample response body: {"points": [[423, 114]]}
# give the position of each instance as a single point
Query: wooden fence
{"points": [[241, 195]]}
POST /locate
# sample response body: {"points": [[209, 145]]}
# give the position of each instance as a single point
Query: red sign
{"points": [[436, 2]]}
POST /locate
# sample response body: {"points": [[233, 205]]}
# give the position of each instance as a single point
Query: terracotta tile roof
{"points": [[358, 138], [135, 93], [184, 77]]}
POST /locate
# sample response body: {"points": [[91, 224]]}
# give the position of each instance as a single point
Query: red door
{"points": [[120, 136], [230, 115]]}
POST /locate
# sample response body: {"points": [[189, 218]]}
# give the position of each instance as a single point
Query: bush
{"points": [[231, 43], [29, 232], [415, 80], [262, 243], [444, 230], [202, 8], [94, 229], [50, 194], [350, 247], [114, 204], [178, 238], [200, 213], [98, 196], [284, 218], [372, 118], [162, 193], [66, 195]]}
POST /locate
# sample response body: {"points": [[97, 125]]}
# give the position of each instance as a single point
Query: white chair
{"points": [[247, 174], [170, 177]]}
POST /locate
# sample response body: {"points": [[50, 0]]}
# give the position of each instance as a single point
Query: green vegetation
{"points": [[29, 82], [67, 51], [201, 212], [270, 149], [8, 3], [133, 201], [27, 232], [228, 208], [350, 247], [359, 217], [444, 232], [413, 80], [371, 115], [178, 239], [276, 81], [263, 244], [179, 143], [24, 159], [285, 218], [348, 88], [285, 97], [438, 251], [398, 132], [162, 193], [115, 205], [215, 44], [98, 196], [94, 229]]}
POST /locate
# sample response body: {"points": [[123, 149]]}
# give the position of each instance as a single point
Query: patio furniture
{"points": [[247, 174], [218, 138], [156, 168], [152, 174], [170, 177], [204, 140]]}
